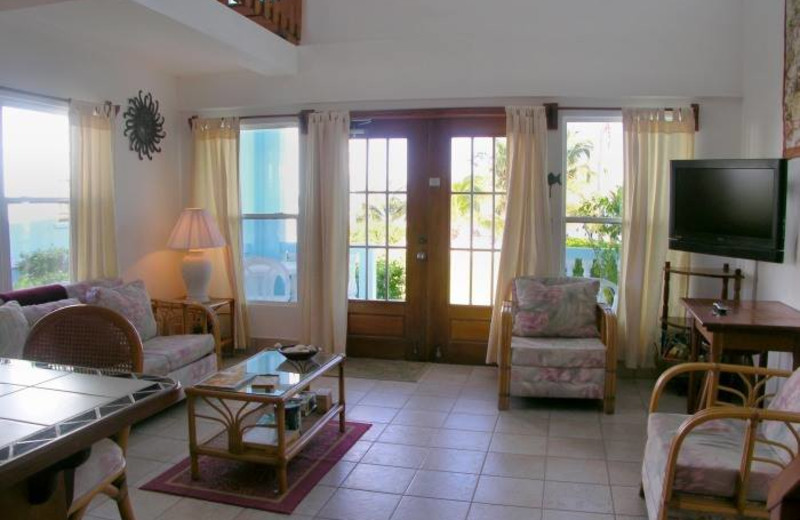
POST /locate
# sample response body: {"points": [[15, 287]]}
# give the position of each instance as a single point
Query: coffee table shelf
{"points": [[238, 411]]}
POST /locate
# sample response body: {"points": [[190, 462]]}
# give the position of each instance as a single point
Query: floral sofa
{"points": [[557, 341], [179, 341], [720, 462]]}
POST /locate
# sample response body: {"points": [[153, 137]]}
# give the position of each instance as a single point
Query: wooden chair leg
{"points": [[123, 499], [78, 514]]}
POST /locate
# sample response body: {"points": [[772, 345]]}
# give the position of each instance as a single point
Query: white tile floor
{"points": [[440, 450]]}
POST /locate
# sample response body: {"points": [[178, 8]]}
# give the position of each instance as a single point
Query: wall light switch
{"points": [[434, 182]]}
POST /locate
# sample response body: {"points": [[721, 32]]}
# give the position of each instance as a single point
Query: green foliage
{"points": [[43, 267], [577, 267], [397, 280]]}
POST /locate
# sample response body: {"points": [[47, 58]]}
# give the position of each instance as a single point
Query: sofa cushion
{"points": [[36, 295], [14, 330], [132, 301], [709, 460], [34, 313], [163, 354], [577, 383], [78, 290], [555, 307], [558, 352], [788, 400]]}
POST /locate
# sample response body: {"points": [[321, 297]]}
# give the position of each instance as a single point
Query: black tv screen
{"points": [[730, 208]]}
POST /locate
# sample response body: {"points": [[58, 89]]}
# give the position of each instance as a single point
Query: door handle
{"points": [[422, 256]]}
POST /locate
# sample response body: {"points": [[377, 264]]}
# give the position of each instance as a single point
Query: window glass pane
{"points": [[482, 161], [269, 170], [358, 165], [500, 164], [482, 222], [594, 168], [39, 236], [499, 220], [35, 153], [461, 164], [459, 277], [376, 220], [460, 220], [592, 250], [270, 259], [398, 164], [358, 219], [397, 220], [357, 281], [397, 275], [481, 278], [376, 274], [376, 175]]}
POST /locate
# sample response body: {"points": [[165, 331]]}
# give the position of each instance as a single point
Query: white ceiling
{"points": [[209, 39]]}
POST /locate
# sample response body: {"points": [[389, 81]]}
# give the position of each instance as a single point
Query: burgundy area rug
{"points": [[251, 485]]}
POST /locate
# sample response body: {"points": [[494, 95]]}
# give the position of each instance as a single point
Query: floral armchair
{"points": [[721, 460], [557, 341]]}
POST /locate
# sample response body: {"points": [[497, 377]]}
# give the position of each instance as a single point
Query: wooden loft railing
{"points": [[282, 17]]}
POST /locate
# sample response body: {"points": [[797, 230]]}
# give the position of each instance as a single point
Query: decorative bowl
{"points": [[297, 356]]}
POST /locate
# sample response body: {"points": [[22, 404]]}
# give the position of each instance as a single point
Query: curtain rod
{"points": [[552, 110], [54, 98]]}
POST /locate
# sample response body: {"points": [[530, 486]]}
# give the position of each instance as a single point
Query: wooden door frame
{"points": [[443, 346]]}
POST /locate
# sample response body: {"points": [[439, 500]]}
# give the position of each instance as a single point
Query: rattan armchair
{"points": [[722, 459], [564, 381], [94, 337]]}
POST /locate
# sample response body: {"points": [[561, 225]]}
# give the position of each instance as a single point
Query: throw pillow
{"points": [[14, 330], [555, 307], [78, 290], [132, 301], [34, 313]]}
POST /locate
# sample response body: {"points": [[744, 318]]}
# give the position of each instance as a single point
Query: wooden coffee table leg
{"points": [[192, 438], [341, 398], [283, 479]]}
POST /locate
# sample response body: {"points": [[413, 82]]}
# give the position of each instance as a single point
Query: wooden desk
{"points": [[749, 326], [50, 415]]}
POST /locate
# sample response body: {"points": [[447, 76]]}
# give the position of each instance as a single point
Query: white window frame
{"points": [[26, 102], [274, 124], [593, 116]]}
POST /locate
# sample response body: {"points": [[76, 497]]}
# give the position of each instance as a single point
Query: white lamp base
{"points": [[196, 271]]}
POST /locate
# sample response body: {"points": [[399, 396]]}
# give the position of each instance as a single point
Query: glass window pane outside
{"points": [[378, 219], [39, 234], [594, 168], [27, 172], [270, 259], [477, 217], [269, 169], [589, 256]]}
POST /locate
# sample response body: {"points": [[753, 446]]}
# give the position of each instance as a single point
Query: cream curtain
{"points": [[93, 248], [215, 187], [651, 139], [323, 262], [528, 247]]}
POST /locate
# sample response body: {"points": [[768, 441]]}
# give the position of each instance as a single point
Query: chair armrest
{"points": [[607, 325], [504, 357], [754, 417], [180, 317], [742, 370]]}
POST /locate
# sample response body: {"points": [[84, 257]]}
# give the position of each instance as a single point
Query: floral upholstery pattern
{"points": [[708, 462], [132, 301], [176, 351], [578, 383], [34, 313], [14, 330], [192, 374], [788, 400], [78, 290], [105, 460], [555, 307], [558, 352]]}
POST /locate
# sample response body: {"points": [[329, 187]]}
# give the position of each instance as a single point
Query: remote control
{"points": [[720, 308]]}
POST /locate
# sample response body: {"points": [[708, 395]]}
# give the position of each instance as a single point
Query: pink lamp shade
{"points": [[196, 229]]}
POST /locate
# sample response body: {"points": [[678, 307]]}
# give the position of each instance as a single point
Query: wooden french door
{"points": [[427, 206]]}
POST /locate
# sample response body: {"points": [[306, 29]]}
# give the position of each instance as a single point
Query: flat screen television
{"points": [[729, 207]]}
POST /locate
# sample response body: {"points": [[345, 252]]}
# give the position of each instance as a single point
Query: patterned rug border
{"points": [[163, 483]]}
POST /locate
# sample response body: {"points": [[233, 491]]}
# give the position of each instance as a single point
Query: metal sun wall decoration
{"points": [[144, 126]]}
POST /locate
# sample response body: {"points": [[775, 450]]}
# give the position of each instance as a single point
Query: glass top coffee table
{"points": [[258, 402]]}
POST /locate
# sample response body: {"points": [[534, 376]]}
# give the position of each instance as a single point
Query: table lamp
{"points": [[196, 231]]}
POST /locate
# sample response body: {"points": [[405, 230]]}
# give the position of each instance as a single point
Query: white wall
{"points": [[364, 50], [148, 193]]}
